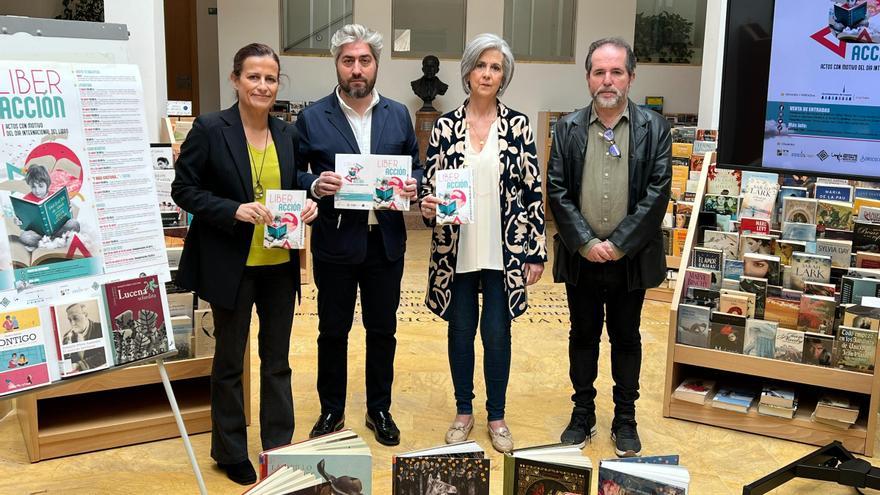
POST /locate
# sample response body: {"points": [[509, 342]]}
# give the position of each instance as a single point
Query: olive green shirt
{"points": [[605, 181]]}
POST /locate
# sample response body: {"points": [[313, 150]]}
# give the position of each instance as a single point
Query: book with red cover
{"points": [[137, 319]]}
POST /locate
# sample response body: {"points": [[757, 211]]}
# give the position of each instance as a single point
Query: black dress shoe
{"points": [[327, 423], [241, 472], [384, 428]]}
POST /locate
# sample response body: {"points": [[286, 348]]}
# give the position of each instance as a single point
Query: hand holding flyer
{"points": [[287, 230], [372, 182], [455, 190]]}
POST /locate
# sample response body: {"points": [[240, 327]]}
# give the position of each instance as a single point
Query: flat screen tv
{"points": [[800, 88]]}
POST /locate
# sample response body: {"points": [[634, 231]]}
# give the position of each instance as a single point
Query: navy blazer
{"points": [[212, 179], [340, 236]]}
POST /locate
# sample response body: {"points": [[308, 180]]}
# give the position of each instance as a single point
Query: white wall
{"points": [[146, 48], [536, 86]]}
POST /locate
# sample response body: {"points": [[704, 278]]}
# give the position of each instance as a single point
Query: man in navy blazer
{"points": [[356, 248]]}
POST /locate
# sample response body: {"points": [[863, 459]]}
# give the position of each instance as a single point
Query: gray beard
{"points": [[602, 102]]}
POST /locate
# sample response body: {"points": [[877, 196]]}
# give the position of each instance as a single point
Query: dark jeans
{"points": [[494, 331], [601, 294], [271, 288], [379, 282]]}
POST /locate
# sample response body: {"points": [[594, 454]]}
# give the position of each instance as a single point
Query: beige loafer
{"points": [[502, 440], [458, 431]]}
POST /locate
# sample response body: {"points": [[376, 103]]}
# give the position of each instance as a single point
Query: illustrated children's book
{"points": [[643, 476], [43, 216], [455, 190], [25, 360], [546, 469], [287, 230], [455, 468], [290, 481]]}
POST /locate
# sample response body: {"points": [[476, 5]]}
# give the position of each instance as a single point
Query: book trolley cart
{"points": [[685, 361]]}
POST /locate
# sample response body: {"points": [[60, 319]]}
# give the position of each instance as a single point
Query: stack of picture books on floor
{"points": [[643, 475], [546, 469], [340, 461], [837, 410], [455, 468], [782, 268]]}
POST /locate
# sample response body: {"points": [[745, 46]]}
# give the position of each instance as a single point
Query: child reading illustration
{"points": [[37, 178]]}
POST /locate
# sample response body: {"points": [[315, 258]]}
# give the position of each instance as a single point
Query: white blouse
{"points": [[479, 243]]}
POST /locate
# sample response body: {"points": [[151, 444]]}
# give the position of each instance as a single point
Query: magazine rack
{"points": [[683, 361]]}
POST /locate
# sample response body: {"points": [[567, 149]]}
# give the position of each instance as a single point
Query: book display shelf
{"points": [[811, 381], [546, 121]]}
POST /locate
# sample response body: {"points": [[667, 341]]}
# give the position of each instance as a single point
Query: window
{"points": [[670, 31], [308, 25], [540, 29], [420, 28]]}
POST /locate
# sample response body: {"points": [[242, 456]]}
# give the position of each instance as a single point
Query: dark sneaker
{"points": [[241, 472], [581, 427], [626, 439]]}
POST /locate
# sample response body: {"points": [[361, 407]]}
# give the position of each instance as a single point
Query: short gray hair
{"points": [[353, 33], [614, 41], [476, 47]]}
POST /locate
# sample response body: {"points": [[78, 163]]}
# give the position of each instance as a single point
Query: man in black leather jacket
{"points": [[608, 184]]}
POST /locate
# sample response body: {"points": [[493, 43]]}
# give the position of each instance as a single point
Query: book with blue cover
{"points": [[759, 190], [693, 325], [834, 192], [738, 399]]}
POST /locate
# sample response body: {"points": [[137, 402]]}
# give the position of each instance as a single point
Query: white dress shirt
{"points": [[361, 126]]}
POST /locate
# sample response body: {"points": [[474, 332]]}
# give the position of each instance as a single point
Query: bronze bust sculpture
{"points": [[429, 85]]}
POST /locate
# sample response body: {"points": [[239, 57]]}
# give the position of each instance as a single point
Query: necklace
{"points": [[481, 139], [258, 188]]}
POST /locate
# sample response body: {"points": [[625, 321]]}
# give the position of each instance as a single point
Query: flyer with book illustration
{"points": [[287, 230], [372, 182], [455, 190]]}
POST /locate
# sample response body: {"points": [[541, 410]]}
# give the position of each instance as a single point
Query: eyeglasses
{"points": [[613, 149]]}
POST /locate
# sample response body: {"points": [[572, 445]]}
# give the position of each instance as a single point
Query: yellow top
{"points": [[270, 178]]}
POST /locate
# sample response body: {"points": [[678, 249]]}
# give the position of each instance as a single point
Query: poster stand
{"points": [[37, 39]]}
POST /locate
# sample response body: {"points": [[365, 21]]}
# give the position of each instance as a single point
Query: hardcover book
{"points": [[758, 287], [289, 481], [24, 348], [787, 192], [455, 190], [287, 230], [735, 305], [749, 225], [799, 210], [342, 458], [727, 332], [855, 349], [545, 469], [693, 325], [789, 345], [816, 314], [82, 337], [695, 277], [737, 399], [720, 204], [809, 268], [762, 266], [727, 242], [733, 269], [759, 191], [818, 349], [799, 231], [866, 237], [834, 215], [642, 475], [695, 390], [723, 181], [455, 468], [840, 252], [783, 311], [43, 216], [774, 394], [137, 320], [739, 296], [760, 338], [834, 192]]}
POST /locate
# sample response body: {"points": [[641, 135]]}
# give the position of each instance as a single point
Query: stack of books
{"points": [[695, 390], [836, 410], [737, 399], [777, 400]]}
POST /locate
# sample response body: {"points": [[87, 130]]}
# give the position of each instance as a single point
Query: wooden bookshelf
{"points": [[119, 407], [684, 361], [546, 120]]}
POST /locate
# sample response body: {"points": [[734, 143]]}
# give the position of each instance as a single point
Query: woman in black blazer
{"points": [[227, 162]]}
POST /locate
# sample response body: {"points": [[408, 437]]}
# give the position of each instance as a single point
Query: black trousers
{"points": [[272, 289], [601, 296], [379, 282]]}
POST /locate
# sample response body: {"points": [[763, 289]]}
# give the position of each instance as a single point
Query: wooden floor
{"points": [[720, 461]]}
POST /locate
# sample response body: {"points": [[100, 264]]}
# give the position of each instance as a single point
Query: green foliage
{"points": [[665, 38], [82, 10]]}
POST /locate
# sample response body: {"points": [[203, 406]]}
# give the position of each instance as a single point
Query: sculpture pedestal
{"points": [[424, 124]]}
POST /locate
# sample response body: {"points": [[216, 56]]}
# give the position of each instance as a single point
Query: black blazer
{"points": [[212, 178], [340, 236], [650, 173]]}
